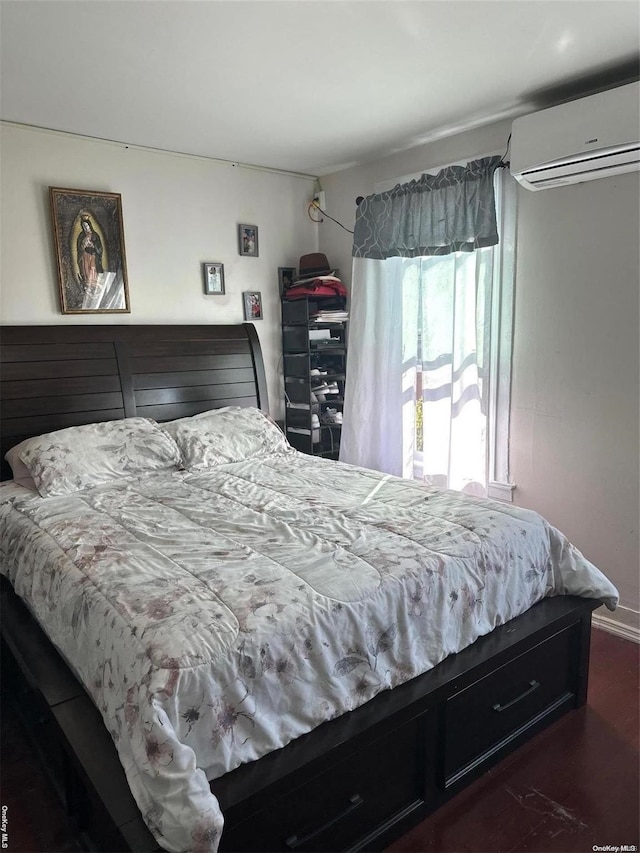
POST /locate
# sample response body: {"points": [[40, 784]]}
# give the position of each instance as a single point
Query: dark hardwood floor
{"points": [[574, 787]]}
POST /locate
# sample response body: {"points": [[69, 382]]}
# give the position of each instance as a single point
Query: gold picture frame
{"points": [[88, 234]]}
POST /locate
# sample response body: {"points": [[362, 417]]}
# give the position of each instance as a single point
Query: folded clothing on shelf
{"points": [[321, 285], [316, 277]]}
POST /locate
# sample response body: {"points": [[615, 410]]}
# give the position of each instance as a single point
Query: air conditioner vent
{"points": [[547, 148]]}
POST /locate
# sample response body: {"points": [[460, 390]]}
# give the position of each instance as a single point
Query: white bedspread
{"points": [[215, 616]]}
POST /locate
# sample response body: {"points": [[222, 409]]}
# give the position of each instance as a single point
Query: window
{"points": [[429, 366], [464, 333], [463, 362]]}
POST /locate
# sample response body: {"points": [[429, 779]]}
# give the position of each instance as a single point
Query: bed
{"points": [[288, 654]]}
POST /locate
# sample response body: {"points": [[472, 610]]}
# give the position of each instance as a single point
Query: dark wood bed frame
{"points": [[354, 783]]}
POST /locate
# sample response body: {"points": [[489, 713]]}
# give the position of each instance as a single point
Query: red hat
{"points": [[313, 265]]}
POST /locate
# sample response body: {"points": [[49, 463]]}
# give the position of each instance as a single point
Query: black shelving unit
{"points": [[307, 346]]}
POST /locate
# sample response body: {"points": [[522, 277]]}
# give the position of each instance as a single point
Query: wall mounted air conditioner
{"points": [[589, 138]]}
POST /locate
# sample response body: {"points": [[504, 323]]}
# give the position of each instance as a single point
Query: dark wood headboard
{"points": [[53, 377]]}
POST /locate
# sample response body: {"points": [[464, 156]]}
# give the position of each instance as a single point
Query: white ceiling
{"points": [[307, 86]]}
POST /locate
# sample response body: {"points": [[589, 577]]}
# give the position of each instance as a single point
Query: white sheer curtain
{"points": [[379, 409], [416, 390], [454, 331]]}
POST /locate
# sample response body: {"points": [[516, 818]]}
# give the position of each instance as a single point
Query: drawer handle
{"points": [[294, 842], [533, 685]]}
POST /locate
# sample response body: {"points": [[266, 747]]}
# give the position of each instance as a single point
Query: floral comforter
{"points": [[215, 616]]}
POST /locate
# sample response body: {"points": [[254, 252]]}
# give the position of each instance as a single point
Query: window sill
{"points": [[501, 491]]}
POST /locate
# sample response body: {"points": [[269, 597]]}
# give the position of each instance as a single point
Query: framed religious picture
{"points": [[89, 242], [252, 305], [286, 277], [248, 240], [213, 278]]}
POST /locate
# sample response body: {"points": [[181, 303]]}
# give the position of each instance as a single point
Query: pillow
{"points": [[19, 470], [75, 458], [169, 425], [226, 435], [10, 489]]}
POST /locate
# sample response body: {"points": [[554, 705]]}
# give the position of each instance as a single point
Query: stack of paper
{"points": [[331, 316], [319, 334]]}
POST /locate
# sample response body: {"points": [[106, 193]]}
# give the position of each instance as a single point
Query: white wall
{"points": [[574, 433], [178, 212], [574, 444]]}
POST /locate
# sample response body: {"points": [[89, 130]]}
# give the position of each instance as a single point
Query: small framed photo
{"points": [[213, 278], [252, 305], [248, 240], [286, 277], [89, 242]]}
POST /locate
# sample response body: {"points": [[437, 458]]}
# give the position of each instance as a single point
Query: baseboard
{"points": [[606, 623]]}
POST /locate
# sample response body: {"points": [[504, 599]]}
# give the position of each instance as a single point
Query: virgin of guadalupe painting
{"points": [[89, 241]]}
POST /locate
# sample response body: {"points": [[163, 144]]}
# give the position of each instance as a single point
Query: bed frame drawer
{"points": [[340, 808], [494, 711]]}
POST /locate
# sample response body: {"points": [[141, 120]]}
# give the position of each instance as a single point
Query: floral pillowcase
{"points": [[68, 460], [225, 435], [75, 458], [19, 470]]}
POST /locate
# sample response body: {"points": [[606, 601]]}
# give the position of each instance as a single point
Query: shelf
{"points": [[307, 431], [304, 351], [325, 377], [304, 313], [313, 324], [304, 406], [309, 347]]}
